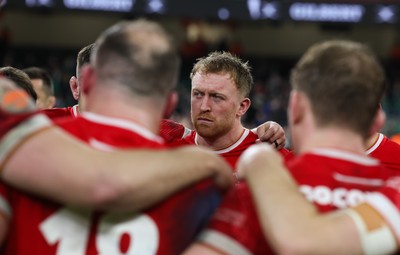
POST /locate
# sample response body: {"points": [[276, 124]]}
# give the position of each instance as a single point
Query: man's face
{"points": [[42, 101], [215, 102]]}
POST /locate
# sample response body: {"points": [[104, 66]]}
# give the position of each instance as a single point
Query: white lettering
{"points": [[322, 195], [101, 5], [338, 197], [326, 12]]}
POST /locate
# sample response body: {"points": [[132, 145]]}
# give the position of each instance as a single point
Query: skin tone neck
{"points": [[147, 112], [371, 140], [81, 103], [332, 137]]}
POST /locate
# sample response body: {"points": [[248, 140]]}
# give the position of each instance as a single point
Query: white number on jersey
{"points": [[70, 228]]}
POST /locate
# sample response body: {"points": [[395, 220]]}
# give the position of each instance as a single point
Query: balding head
{"points": [[138, 55]]}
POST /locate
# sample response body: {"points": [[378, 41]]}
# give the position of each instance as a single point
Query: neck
{"points": [[223, 141], [333, 137], [144, 112], [371, 140]]}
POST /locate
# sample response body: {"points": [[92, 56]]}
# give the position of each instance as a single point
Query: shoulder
{"points": [[55, 113], [171, 131], [387, 152]]}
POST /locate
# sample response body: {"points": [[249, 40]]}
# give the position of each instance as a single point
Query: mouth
{"points": [[203, 120]]}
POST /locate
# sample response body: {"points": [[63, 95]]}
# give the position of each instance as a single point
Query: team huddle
{"points": [[113, 175]]}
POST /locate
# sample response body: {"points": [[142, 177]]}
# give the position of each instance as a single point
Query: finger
{"points": [[278, 136], [266, 135], [279, 143]]}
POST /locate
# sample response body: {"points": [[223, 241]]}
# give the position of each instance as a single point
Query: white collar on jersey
{"points": [[233, 146], [75, 110], [376, 144]]}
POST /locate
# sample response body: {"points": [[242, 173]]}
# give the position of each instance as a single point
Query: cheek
{"points": [[235, 109], [226, 110], [194, 105]]}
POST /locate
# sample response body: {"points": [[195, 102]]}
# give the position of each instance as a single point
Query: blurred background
{"points": [[271, 35]]}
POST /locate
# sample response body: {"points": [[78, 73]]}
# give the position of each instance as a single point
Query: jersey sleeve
{"points": [[17, 128], [234, 228], [387, 203]]}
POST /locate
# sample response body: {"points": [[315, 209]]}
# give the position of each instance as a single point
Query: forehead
{"points": [[218, 82]]}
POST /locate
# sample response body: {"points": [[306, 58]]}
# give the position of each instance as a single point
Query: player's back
{"points": [[39, 226], [337, 179], [167, 228]]}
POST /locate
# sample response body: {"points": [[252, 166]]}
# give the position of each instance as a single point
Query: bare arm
{"points": [[201, 249], [55, 165], [272, 133], [291, 224]]}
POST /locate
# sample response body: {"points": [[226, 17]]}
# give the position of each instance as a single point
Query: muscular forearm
{"points": [[157, 174], [293, 225], [55, 165]]}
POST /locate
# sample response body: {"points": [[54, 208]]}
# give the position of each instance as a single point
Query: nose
{"points": [[205, 104]]}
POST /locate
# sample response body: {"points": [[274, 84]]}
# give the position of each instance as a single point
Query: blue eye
{"points": [[218, 97], [196, 94]]}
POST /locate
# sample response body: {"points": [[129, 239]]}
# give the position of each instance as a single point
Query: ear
{"points": [[74, 86], [243, 107], [171, 103], [379, 121], [88, 79]]}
